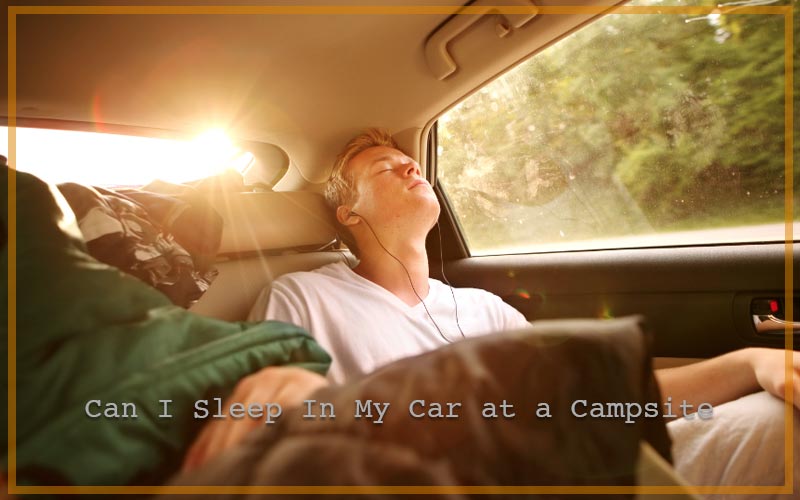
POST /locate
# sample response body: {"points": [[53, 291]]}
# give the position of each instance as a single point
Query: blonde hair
{"points": [[340, 188]]}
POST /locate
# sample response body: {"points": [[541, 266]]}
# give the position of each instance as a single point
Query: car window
{"points": [[113, 160], [638, 130]]}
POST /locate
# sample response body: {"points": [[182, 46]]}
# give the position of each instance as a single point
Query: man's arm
{"points": [[287, 386], [731, 376]]}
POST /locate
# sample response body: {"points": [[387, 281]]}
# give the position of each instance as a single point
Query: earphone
{"points": [[411, 282]]}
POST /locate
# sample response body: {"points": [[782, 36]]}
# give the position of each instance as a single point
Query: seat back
{"points": [[264, 236]]}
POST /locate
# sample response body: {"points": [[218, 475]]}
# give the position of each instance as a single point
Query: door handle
{"points": [[768, 315], [771, 325]]}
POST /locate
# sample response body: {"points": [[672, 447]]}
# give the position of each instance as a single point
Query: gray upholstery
{"points": [[239, 282]]}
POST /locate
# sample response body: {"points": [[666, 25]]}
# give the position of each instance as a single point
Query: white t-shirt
{"points": [[364, 326]]}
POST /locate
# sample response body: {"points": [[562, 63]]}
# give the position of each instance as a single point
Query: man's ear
{"points": [[345, 216]]}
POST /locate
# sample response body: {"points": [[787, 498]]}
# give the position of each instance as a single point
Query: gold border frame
{"points": [[13, 488]]}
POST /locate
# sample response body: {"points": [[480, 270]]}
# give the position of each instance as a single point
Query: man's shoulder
{"points": [[315, 277], [477, 294], [470, 297], [479, 299]]}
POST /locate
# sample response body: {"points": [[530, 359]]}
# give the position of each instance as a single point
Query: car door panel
{"points": [[696, 300]]}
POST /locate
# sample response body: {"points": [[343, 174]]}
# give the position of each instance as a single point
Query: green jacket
{"points": [[86, 331]]}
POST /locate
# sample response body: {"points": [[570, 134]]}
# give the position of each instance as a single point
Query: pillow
{"points": [[86, 331], [554, 363]]}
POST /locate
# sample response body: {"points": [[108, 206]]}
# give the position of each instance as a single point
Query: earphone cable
{"points": [[410, 281], [444, 277]]}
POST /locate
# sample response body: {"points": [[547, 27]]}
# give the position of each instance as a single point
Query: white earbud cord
{"points": [[411, 282], [444, 277]]}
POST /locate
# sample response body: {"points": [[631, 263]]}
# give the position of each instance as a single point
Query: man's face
{"points": [[391, 190]]}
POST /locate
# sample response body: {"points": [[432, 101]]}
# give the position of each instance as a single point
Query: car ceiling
{"points": [[304, 82]]}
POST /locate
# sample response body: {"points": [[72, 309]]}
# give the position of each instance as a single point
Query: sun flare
{"points": [[117, 160]]}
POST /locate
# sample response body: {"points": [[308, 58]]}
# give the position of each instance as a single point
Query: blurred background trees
{"points": [[634, 124]]}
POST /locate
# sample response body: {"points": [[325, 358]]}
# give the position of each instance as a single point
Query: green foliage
{"points": [[633, 124]]}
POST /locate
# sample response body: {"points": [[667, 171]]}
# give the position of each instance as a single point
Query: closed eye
{"points": [[384, 169]]}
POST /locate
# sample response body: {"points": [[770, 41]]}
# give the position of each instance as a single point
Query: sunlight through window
{"points": [[118, 160]]}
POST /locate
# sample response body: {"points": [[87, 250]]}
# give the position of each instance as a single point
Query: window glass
{"points": [[113, 160], [637, 130]]}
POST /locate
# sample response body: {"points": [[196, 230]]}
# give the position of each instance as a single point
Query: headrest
{"points": [[274, 220]]}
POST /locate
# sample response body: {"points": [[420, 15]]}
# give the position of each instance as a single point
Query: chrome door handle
{"points": [[770, 324]]}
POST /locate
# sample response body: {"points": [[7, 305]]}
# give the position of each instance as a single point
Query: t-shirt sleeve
{"points": [[282, 306], [511, 318], [259, 310], [278, 303]]}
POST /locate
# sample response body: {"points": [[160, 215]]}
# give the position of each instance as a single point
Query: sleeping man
{"points": [[386, 307]]}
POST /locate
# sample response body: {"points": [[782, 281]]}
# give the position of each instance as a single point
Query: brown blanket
{"points": [[553, 363]]}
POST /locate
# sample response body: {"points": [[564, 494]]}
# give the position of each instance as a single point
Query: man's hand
{"points": [[769, 368], [285, 385]]}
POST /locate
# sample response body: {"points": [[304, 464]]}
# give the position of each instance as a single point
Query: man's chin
{"points": [[431, 211]]}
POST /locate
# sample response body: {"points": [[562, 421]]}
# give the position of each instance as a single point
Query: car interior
{"points": [[290, 83]]}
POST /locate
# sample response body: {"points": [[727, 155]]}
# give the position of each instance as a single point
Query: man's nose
{"points": [[412, 168]]}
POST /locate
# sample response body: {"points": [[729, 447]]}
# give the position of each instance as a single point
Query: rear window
{"points": [[112, 160], [638, 130]]}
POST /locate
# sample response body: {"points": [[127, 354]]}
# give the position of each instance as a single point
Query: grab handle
{"points": [[439, 60]]}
